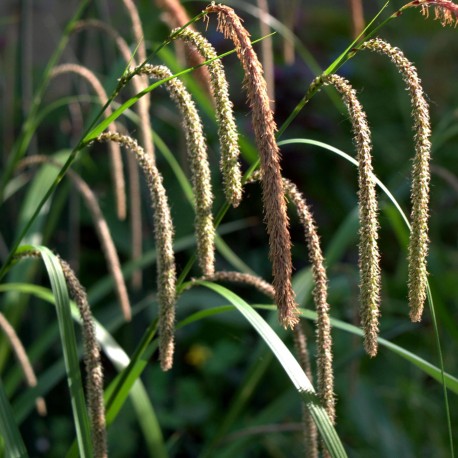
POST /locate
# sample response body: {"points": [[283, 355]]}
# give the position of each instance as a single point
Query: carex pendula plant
{"points": [[143, 129]]}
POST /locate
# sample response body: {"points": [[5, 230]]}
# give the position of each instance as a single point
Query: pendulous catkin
{"points": [[445, 11], [92, 359], [273, 194], [92, 362], [320, 293], [227, 128], [320, 296], [200, 169], [369, 257], [418, 243], [163, 231]]}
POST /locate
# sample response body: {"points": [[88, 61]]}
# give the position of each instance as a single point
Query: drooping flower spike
{"points": [[369, 257], [92, 358], [418, 243], [227, 128], [445, 11], [198, 160], [273, 194], [163, 231]]}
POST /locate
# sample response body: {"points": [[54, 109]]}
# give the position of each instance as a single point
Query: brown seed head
{"points": [[272, 186], [445, 11]]}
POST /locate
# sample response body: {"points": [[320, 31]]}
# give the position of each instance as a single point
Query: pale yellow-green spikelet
{"points": [[92, 361], [419, 241], [273, 194], [369, 257], [163, 230], [200, 169], [227, 128]]}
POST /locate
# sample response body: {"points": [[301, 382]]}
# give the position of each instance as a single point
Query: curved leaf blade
{"points": [[69, 347], [291, 367]]}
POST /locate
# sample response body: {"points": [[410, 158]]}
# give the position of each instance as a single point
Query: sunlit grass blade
{"points": [[128, 384], [450, 381], [13, 446], [132, 386], [69, 347], [291, 367]]}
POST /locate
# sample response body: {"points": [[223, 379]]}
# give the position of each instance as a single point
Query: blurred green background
{"points": [[386, 407]]}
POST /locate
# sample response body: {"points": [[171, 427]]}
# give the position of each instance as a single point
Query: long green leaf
{"points": [[133, 388], [429, 295], [435, 372], [69, 347], [291, 367]]}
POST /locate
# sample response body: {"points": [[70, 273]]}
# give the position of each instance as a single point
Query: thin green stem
{"points": [[442, 368], [349, 52]]}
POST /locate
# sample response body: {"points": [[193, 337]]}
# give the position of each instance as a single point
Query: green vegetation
{"points": [[191, 263]]}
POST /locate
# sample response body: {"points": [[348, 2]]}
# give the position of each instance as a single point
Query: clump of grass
{"points": [[264, 126], [419, 241], [163, 231]]}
